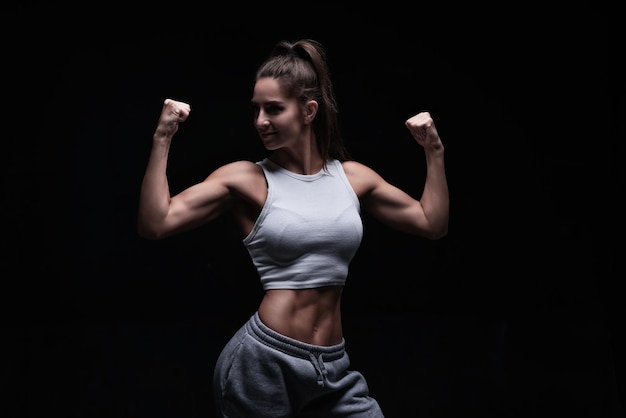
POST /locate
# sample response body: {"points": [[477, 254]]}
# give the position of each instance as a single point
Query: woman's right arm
{"points": [[161, 215]]}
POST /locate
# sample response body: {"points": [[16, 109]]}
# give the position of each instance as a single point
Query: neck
{"points": [[302, 160]]}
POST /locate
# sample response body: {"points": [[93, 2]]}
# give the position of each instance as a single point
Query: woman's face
{"points": [[277, 118]]}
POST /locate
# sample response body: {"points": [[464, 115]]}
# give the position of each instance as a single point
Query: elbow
{"points": [[150, 237], [438, 233], [440, 228], [432, 234], [146, 232]]}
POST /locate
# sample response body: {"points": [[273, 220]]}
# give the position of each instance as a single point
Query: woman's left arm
{"points": [[427, 216]]}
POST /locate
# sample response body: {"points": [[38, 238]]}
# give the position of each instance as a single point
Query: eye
{"points": [[273, 109]]}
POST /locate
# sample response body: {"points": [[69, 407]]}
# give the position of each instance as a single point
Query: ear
{"points": [[310, 110]]}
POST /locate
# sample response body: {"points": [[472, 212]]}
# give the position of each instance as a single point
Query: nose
{"points": [[262, 121]]}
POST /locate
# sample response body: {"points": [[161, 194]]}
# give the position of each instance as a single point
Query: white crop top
{"points": [[308, 230]]}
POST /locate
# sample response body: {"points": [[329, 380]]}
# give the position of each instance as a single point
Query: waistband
{"points": [[291, 346]]}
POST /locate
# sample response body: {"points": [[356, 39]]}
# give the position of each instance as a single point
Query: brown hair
{"points": [[302, 71]]}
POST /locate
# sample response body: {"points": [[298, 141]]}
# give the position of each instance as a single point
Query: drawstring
{"points": [[318, 363]]}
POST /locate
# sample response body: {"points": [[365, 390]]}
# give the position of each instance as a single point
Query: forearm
{"points": [[435, 197], [154, 197]]}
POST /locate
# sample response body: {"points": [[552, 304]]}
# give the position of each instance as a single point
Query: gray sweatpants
{"points": [[261, 373]]}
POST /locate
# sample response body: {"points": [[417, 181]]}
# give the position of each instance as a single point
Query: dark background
{"points": [[516, 313]]}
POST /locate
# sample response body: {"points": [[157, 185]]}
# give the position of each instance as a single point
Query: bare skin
{"points": [[239, 188]]}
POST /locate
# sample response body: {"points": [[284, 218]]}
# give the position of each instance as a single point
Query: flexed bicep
{"points": [[396, 208], [196, 205]]}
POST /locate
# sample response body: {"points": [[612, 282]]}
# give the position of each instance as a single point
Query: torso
{"points": [[312, 316]]}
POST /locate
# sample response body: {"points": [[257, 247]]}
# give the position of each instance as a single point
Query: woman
{"points": [[299, 211]]}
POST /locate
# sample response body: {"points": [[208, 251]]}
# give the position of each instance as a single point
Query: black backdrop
{"points": [[516, 313]]}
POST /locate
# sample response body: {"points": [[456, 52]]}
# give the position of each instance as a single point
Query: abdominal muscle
{"points": [[312, 316]]}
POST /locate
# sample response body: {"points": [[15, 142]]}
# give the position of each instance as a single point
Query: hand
{"points": [[172, 113], [422, 127]]}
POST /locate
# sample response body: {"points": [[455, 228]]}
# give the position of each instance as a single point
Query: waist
{"points": [[312, 316], [268, 336]]}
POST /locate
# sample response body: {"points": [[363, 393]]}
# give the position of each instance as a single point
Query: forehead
{"points": [[267, 89]]}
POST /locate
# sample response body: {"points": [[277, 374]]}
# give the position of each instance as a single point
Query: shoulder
{"points": [[237, 175], [236, 169], [362, 178], [241, 178], [356, 169]]}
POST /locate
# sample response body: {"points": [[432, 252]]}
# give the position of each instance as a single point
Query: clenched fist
{"points": [[423, 129], [172, 113]]}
